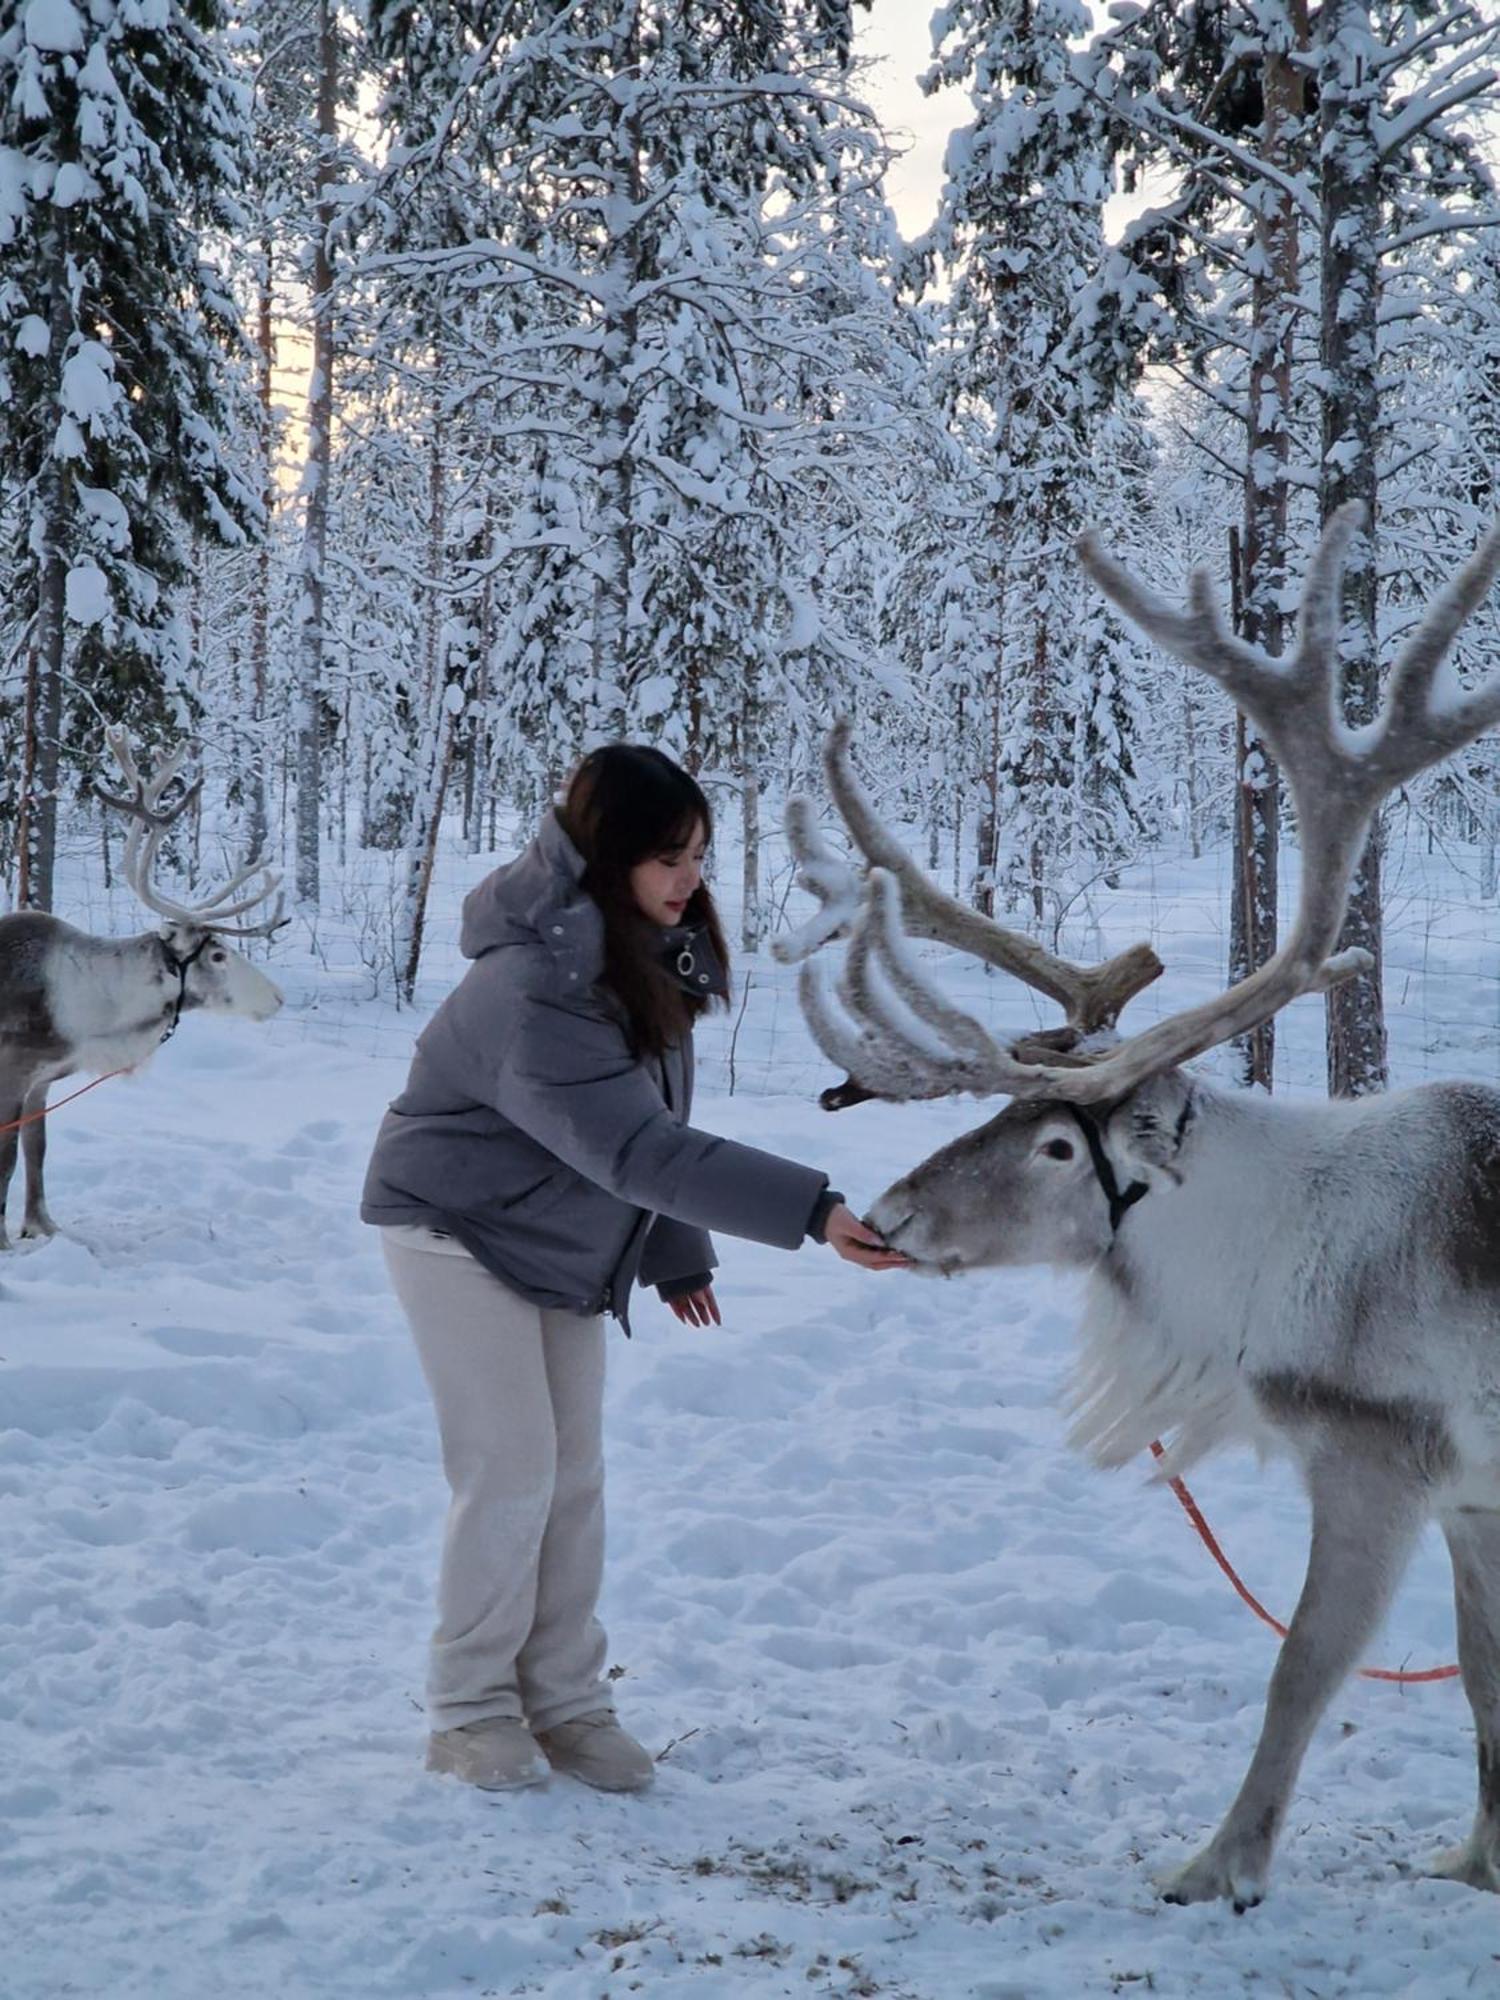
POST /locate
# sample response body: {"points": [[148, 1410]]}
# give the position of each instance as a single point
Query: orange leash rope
{"points": [[47, 1109], [1206, 1534]]}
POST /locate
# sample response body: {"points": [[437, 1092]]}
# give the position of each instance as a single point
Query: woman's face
{"points": [[663, 883]]}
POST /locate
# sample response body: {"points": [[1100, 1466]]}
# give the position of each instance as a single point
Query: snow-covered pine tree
{"points": [[1210, 283], [280, 47], [1394, 83], [1019, 234], [938, 618], [122, 137], [1216, 92], [661, 186]]}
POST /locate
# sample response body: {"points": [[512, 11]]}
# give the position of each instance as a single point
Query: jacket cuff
{"points": [[823, 1207], [678, 1288]]}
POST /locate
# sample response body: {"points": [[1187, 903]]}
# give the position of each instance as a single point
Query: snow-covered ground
{"points": [[933, 1700]]}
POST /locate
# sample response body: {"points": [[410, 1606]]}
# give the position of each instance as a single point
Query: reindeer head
{"points": [[1050, 1179], [211, 976], [1036, 1185], [214, 978]]}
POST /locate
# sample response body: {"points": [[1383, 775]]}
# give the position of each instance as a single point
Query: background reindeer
{"points": [[69, 1001], [1324, 1278]]}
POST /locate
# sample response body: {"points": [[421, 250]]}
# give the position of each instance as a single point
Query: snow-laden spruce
{"points": [[122, 136]]}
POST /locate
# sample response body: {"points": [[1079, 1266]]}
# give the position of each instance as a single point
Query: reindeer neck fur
{"points": [[1285, 1243], [111, 999]]}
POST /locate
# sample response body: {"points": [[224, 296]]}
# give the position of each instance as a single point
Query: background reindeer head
{"points": [[211, 975]]}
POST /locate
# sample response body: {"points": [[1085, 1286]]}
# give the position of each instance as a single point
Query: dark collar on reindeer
{"points": [[180, 963], [1121, 1200]]}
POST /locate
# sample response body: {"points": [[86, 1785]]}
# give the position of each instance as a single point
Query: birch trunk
{"points": [[1348, 352], [312, 639], [1190, 773], [421, 850], [1261, 570]]}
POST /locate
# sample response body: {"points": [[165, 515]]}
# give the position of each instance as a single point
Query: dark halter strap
{"points": [[1119, 1200], [181, 967]]}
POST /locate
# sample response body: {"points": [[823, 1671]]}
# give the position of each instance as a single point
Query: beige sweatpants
{"points": [[519, 1393]]}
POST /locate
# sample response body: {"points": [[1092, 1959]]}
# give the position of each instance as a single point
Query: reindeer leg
{"points": [[1474, 1544], [10, 1111], [1366, 1512], [36, 1221]]}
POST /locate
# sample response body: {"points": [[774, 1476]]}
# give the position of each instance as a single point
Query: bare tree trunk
{"points": [[312, 647], [343, 786], [437, 760], [25, 808], [1260, 570], [1349, 385], [1252, 893], [481, 749], [421, 852], [257, 817], [988, 856], [958, 799], [749, 776], [1037, 760], [612, 660], [39, 849], [433, 666], [1190, 773], [44, 735]]}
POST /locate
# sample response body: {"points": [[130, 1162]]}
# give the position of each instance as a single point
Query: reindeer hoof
{"points": [[37, 1226], [1217, 1875], [1476, 1866]]}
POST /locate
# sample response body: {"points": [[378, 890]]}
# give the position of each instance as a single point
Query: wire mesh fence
{"points": [[1442, 958]]}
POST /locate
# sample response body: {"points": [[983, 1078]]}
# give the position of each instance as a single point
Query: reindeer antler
{"points": [[900, 1038], [1091, 995], [148, 825]]}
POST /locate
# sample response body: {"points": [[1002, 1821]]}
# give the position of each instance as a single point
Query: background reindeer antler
{"points": [[148, 825]]}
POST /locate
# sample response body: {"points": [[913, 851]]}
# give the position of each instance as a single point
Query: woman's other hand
{"points": [[698, 1308], [844, 1232]]}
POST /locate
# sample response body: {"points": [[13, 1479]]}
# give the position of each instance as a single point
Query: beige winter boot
{"points": [[596, 1750], [499, 1755]]}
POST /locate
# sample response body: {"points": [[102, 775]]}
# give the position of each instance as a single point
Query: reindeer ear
{"points": [[1154, 1119]]}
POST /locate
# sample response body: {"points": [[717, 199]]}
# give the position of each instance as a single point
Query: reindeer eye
{"points": [[1058, 1149], [218, 957]]}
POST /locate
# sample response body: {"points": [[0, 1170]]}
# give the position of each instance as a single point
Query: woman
{"points": [[537, 1164]]}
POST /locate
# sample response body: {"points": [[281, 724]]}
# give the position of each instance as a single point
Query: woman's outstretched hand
{"points": [[698, 1308], [844, 1232]]}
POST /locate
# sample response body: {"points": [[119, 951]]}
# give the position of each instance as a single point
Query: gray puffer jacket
{"points": [[530, 1131]]}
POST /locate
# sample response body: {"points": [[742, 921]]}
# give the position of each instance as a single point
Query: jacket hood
{"points": [[537, 898]]}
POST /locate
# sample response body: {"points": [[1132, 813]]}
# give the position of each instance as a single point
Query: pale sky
{"points": [[898, 34]]}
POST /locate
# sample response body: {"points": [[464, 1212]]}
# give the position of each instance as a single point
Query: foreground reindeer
{"points": [[70, 1002], [1323, 1278]]}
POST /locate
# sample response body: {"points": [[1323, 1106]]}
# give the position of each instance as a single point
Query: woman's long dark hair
{"points": [[625, 803]]}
